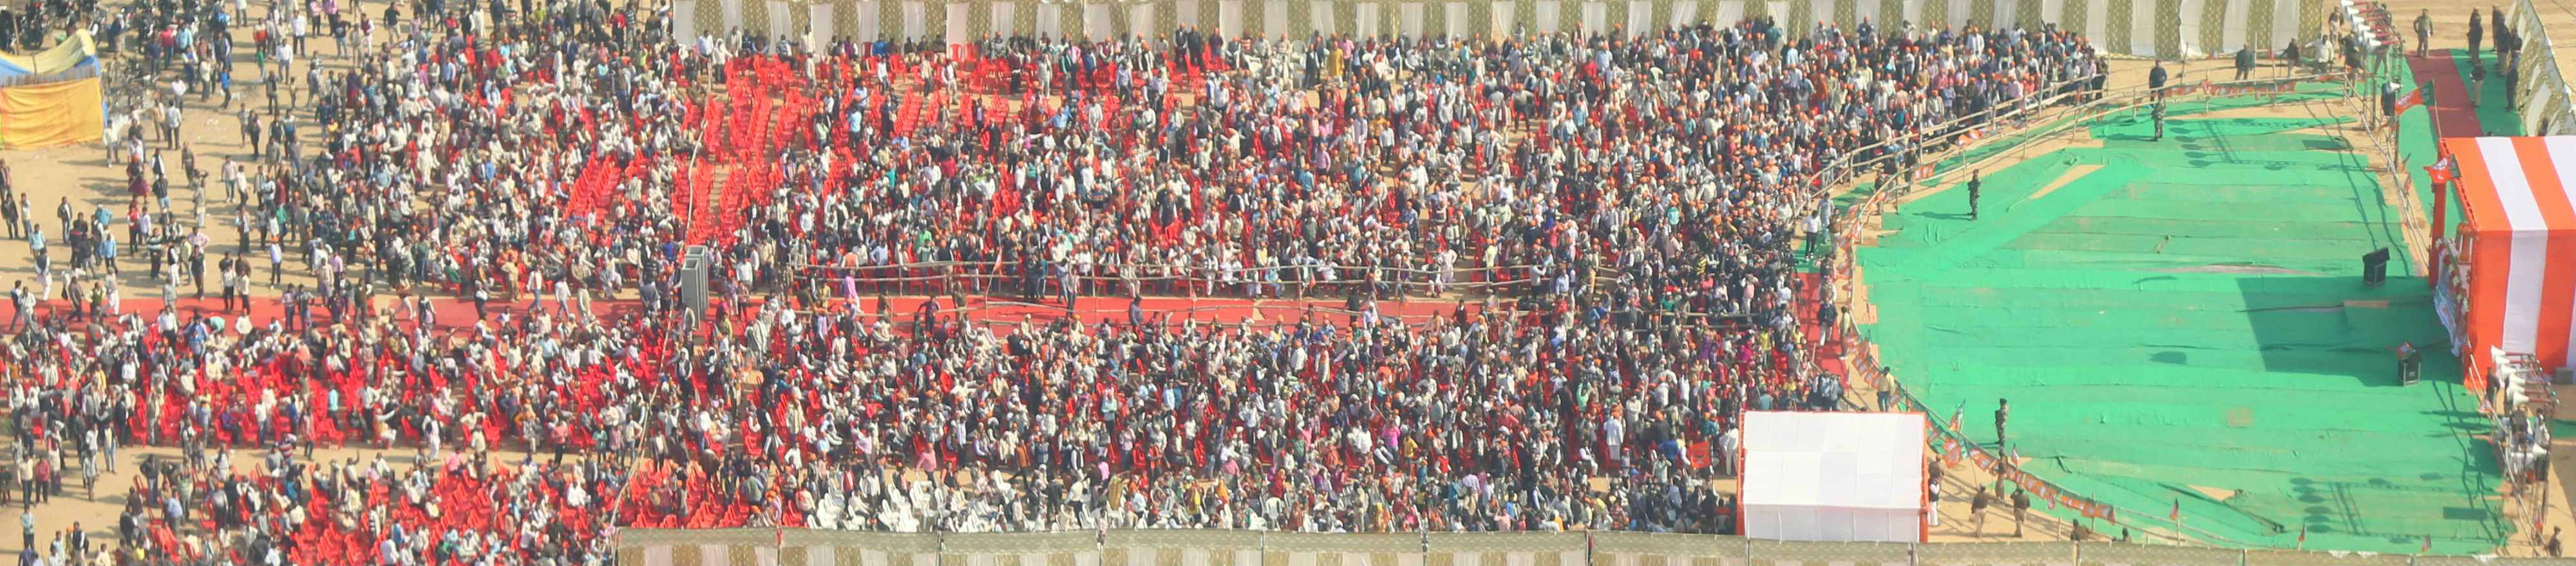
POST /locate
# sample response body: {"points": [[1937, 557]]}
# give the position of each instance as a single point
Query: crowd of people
{"points": [[1617, 219]]}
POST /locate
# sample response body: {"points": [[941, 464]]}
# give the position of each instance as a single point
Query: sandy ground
{"points": [[84, 176]]}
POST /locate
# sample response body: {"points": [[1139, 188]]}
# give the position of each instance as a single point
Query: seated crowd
{"points": [[1625, 212]]}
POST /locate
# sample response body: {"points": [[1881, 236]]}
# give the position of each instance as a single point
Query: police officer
{"points": [[2159, 116], [2021, 509], [2156, 80], [2003, 411], [1975, 185]]}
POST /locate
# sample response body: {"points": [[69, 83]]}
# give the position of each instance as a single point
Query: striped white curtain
{"points": [[684, 20]]}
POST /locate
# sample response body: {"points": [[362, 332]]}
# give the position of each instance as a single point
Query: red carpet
{"points": [[2452, 115]]}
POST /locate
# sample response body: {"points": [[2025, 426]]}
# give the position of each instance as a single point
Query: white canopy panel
{"points": [[1834, 476]]}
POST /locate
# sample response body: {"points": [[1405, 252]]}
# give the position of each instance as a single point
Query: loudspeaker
{"points": [[694, 262], [2374, 267]]}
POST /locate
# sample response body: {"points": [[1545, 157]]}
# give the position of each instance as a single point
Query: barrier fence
{"points": [[2146, 28], [800, 547]]}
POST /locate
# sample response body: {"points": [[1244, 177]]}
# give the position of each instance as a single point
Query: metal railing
{"points": [[692, 547]]}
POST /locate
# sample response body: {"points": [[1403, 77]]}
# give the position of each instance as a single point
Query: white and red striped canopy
{"points": [[2518, 230]]}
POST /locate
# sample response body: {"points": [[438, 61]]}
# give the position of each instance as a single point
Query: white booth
{"points": [[1834, 476]]}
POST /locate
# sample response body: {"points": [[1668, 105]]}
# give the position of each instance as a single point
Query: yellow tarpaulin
{"points": [[51, 114], [71, 53]]}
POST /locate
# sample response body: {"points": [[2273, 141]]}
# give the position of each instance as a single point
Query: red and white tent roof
{"points": [[2518, 225]]}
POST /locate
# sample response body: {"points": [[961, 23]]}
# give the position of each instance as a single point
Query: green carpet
{"points": [[2191, 315]]}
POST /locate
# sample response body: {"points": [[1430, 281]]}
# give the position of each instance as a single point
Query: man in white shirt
{"points": [[276, 264], [170, 113]]}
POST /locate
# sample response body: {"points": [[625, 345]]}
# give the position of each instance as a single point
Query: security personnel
{"points": [[1975, 185], [2159, 116], [2003, 410], [2021, 508], [2156, 80]]}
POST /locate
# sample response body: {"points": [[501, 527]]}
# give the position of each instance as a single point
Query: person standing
{"points": [[1976, 185], [483, 298], [9, 213], [2157, 113], [2003, 410], [231, 282], [2477, 33], [2477, 84], [197, 261], [276, 264], [2156, 80], [2021, 509], [1977, 508], [2245, 62], [170, 115], [2423, 32], [2501, 36]]}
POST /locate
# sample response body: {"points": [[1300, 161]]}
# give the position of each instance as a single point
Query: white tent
{"points": [[1834, 476]]}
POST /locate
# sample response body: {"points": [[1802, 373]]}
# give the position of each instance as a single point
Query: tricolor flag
{"points": [[2176, 515], [2428, 544]]}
